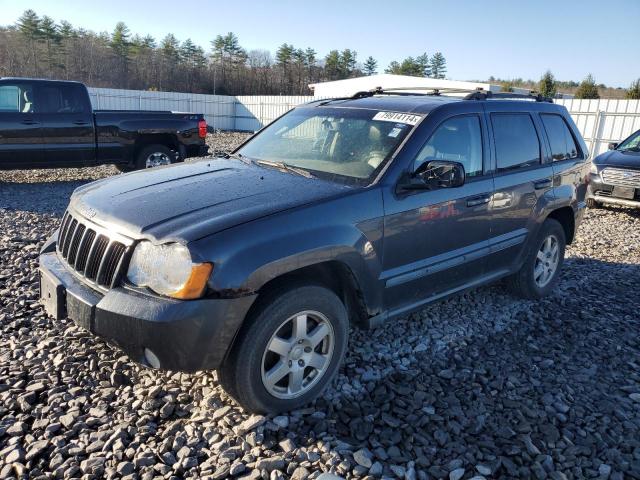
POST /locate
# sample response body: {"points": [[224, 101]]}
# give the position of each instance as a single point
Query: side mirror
{"points": [[613, 146], [437, 174]]}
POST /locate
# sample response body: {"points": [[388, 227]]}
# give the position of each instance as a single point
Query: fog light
{"points": [[151, 358]]}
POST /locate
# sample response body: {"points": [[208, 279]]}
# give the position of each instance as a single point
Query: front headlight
{"points": [[168, 270], [594, 168]]}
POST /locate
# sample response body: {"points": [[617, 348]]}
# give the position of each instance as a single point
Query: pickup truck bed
{"points": [[50, 124]]}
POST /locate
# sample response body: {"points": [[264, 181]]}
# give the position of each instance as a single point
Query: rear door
{"points": [[523, 182], [67, 124], [436, 241], [20, 132], [568, 157]]}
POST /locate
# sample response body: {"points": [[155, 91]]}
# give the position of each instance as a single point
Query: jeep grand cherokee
{"points": [[341, 212]]}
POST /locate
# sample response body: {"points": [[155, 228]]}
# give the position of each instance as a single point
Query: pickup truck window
{"points": [[458, 139], [563, 146], [517, 143], [16, 98], [62, 98], [338, 144]]}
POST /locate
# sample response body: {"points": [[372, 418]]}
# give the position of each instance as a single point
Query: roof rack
{"points": [[472, 94]]}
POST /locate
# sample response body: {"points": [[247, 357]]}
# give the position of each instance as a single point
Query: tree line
{"points": [[39, 47], [586, 89]]}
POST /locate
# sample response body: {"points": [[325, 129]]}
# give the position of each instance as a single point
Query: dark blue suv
{"points": [[342, 212]]}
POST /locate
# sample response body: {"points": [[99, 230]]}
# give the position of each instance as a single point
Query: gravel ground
{"points": [[482, 385]]}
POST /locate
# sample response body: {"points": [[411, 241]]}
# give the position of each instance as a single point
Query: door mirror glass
{"points": [[613, 146], [439, 174]]}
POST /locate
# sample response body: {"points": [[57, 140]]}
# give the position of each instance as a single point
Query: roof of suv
{"points": [[418, 103]]}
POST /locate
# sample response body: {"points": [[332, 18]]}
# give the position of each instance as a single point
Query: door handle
{"points": [[30, 122], [80, 122], [475, 201], [540, 184]]}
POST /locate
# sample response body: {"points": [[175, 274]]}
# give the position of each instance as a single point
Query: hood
{"points": [[615, 158], [188, 201]]}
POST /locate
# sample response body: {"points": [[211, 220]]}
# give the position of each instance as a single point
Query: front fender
{"points": [[348, 231]]}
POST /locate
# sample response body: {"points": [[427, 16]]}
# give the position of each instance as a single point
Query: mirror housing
{"points": [[436, 174], [613, 146]]}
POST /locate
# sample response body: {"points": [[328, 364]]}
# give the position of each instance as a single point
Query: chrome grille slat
{"points": [[93, 252], [75, 242], [621, 177], [69, 235]]}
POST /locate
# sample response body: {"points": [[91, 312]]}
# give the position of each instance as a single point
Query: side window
{"points": [[458, 139], [517, 143], [563, 145], [58, 98], [16, 98]]}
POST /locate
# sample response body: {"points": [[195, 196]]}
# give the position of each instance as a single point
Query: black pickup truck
{"points": [[50, 124]]}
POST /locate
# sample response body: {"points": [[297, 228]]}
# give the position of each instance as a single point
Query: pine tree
{"points": [[587, 89], [634, 90], [547, 85], [422, 62], [29, 24], [438, 65], [347, 63], [332, 65], [370, 66]]}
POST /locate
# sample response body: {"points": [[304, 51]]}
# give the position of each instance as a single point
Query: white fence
{"points": [[599, 121], [603, 121]]}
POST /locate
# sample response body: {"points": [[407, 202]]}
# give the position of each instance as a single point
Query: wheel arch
{"points": [[565, 216], [334, 275]]}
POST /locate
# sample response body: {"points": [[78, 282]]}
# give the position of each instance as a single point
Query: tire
{"points": [[154, 156], [528, 282], [253, 373], [591, 203]]}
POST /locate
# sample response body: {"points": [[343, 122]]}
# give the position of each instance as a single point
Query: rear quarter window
{"points": [[563, 145], [516, 141]]}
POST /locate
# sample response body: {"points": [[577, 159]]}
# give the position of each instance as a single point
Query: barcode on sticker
{"points": [[397, 117]]}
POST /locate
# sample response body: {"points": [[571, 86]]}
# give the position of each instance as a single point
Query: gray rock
{"points": [[456, 474]]}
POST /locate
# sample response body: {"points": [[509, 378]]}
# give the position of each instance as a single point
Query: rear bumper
{"points": [[183, 335], [602, 192], [195, 151]]}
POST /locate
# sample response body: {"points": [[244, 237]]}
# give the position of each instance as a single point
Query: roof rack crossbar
{"points": [[473, 94]]}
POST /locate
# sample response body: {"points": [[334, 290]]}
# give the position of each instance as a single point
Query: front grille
{"points": [[622, 177], [91, 251]]}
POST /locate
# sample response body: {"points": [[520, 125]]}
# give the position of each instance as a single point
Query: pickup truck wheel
{"points": [[541, 269], [289, 350], [155, 156]]}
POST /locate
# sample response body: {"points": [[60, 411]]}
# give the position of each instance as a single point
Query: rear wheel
{"points": [[155, 156], [541, 269], [289, 350]]}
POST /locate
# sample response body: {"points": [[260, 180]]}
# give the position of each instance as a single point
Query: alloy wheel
{"points": [[298, 354]]}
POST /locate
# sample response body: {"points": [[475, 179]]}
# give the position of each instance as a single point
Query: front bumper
{"points": [[602, 192], [183, 335]]}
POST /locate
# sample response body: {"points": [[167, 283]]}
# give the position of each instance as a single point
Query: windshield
{"points": [[631, 144], [338, 144]]}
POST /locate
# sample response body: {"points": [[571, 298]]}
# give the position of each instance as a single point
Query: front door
{"points": [[435, 241], [20, 132], [67, 125]]}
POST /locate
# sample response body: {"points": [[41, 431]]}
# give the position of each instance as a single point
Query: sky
{"points": [[481, 38]]}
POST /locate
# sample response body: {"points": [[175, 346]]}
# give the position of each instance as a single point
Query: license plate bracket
{"points": [[53, 296], [624, 192]]}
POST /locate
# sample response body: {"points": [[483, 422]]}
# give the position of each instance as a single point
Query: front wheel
{"points": [[541, 268], [289, 350]]}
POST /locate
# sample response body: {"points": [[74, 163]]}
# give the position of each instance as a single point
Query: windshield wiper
{"points": [[287, 167], [237, 156]]}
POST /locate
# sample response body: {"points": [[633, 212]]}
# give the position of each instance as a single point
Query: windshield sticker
{"points": [[394, 132], [395, 117]]}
